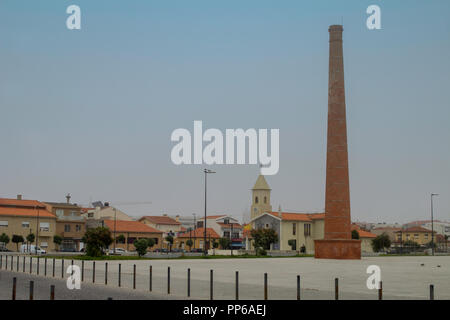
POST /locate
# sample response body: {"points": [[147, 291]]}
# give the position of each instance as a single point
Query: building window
{"points": [[78, 228], [307, 227], [67, 228], [59, 212], [44, 226], [44, 244], [226, 234], [256, 199], [294, 228], [25, 224], [265, 199], [3, 223], [267, 226]]}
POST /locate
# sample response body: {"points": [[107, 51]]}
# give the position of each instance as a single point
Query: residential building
{"points": [[22, 217], [226, 227], [131, 231], [419, 235], [163, 223], [389, 231], [366, 238], [105, 212], [70, 224], [198, 238]]}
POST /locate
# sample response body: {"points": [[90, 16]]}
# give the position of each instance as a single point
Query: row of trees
{"points": [[16, 238]]}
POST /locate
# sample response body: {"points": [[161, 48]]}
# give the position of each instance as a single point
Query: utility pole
{"points": [[206, 171]]}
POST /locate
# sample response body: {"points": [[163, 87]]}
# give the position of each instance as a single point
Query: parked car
{"points": [[31, 248], [118, 251], [3, 249]]}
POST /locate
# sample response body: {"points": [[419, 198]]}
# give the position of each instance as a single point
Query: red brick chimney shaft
{"points": [[337, 193]]}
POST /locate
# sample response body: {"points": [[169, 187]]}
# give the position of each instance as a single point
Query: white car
{"points": [[31, 248], [118, 251]]}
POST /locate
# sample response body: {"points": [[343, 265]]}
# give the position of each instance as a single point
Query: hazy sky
{"points": [[91, 111]]}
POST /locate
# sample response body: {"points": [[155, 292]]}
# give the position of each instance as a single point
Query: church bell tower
{"points": [[260, 197]]}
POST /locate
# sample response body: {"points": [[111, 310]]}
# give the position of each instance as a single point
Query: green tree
{"points": [[189, 243], [224, 243], [141, 246], [263, 238], [97, 240], [30, 238], [120, 238], [17, 239], [57, 239], [355, 234], [381, 242], [215, 244], [169, 239], [4, 238], [151, 242]]}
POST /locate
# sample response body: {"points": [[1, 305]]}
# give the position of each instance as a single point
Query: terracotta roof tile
{"points": [[21, 203], [235, 225], [415, 229], [160, 220], [306, 217], [130, 226], [25, 212], [199, 232]]}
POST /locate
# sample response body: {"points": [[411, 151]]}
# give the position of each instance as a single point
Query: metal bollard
{"points": [[53, 267], [298, 287], [31, 264], [23, 264], [265, 286], [120, 272], [12, 263], [168, 280], [52, 292], [211, 284], [380, 291], [62, 268], [82, 270], [18, 258], [45, 266], [14, 288], [237, 285], [134, 276], [188, 282], [336, 289], [150, 278], [37, 266], [106, 273], [6, 262], [31, 289], [93, 271], [431, 292], [1, 261]]}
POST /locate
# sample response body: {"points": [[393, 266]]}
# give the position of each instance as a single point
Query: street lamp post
{"points": [[115, 219], [432, 224], [206, 171], [37, 231]]}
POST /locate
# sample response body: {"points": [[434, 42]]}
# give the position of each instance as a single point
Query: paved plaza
{"points": [[403, 277]]}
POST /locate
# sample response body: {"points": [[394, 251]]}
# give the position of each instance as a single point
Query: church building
{"points": [[296, 231]]}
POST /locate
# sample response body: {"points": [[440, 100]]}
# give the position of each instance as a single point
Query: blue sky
{"points": [[91, 111]]}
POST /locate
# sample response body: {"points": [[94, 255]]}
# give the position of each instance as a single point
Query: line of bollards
{"points": [[4, 262]]}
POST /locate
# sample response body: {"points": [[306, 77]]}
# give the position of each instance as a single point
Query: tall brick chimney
{"points": [[337, 243]]}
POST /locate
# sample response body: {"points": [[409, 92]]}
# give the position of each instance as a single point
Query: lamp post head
{"points": [[434, 194], [208, 171]]}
